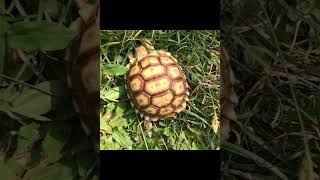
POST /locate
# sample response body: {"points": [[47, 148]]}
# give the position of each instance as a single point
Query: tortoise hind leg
{"points": [[147, 124]]}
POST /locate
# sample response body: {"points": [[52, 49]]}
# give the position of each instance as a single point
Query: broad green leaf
{"points": [[110, 144], [15, 164], [111, 94], [6, 172], [140, 146], [102, 142], [121, 107], [14, 114], [85, 163], [183, 136], [54, 172], [161, 123], [104, 126], [167, 132], [122, 138], [54, 141], [195, 146], [27, 135], [34, 35], [110, 107], [33, 103], [115, 69], [171, 141], [118, 122]]}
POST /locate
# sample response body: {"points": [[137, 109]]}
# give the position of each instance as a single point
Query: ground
{"points": [[274, 52]]}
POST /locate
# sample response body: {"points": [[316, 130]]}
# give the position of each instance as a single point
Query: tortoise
{"points": [[229, 98], [156, 84], [83, 74]]}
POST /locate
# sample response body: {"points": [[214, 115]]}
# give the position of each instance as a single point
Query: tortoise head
{"points": [[142, 51]]}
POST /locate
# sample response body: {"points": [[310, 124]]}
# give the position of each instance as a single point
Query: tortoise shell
{"points": [[156, 85]]}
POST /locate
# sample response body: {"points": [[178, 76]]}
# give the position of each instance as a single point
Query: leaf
{"points": [[104, 126], [183, 136], [118, 122], [85, 162], [6, 172], [111, 94], [110, 107], [54, 172], [28, 135], [195, 146], [120, 109], [34, 35], [122, 138], [110, 144], [102, 143], [26, 114], [167, 132], [54, 141], [115, 69], [33, 103]]}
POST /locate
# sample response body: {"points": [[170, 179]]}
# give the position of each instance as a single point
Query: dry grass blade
{"points": [[307, 171], [259, 160]]}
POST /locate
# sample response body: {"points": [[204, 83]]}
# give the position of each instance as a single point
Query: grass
{"points": [[120, 126], [274, 50], [40, 134]]}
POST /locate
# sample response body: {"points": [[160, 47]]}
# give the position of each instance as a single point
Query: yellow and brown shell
{"points": [[156, 85]]}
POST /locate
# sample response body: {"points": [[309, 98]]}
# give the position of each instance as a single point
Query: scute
{"points": [[173, 72], [153, 71], [136, 84], [159, 85], [177, 100], [143, 99], [151, 60], [179, 87], [163, 99], [166, 110], [150, 110], [134, 70], [166, 60]]}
